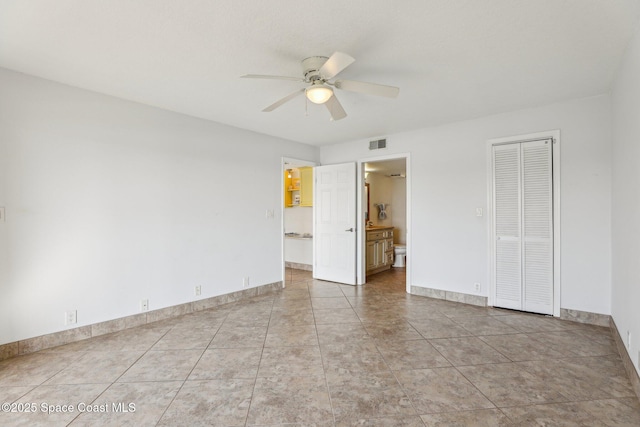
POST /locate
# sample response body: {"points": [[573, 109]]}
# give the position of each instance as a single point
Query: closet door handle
{"points": [[349, 229]]}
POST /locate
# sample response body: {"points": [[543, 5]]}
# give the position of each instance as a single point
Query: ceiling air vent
{"points": [[377, 144]]}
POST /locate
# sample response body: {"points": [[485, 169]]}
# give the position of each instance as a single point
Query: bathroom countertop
{"points": [[378, 227], [298, 236]]}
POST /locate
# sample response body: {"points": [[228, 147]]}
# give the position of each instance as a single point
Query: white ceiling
{"points": [[452, 59], [387, 167]]}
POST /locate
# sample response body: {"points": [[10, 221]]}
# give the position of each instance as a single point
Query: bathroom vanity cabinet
{"points": [[379, 249]]}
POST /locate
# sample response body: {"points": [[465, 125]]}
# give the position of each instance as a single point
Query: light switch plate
{"points": [[478, 211]]}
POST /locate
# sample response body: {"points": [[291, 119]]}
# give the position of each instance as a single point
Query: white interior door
{"points": [[523, 226], [334, 236]]}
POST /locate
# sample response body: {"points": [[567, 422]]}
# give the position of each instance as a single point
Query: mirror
{"points": [[366, 208]]}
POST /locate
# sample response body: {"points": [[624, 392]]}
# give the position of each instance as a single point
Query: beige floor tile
{"points": [[288, 317], [462, 310], [614, 412], [413, 421], [53, 404], [467, 351], [392, 331], [341, 333], [295, 293], [521, 347], [340, 316], [330, 302], [291, 361], [212, 402], [162, 365], [507, 384], [225, 363], [34, 369], [583, 378], [381, 356], [439, 328], [9, 394], [574, 344], [483, 325], [319, 290], [283, 304], [96, 367], [290, 399], [130, 404], [558, 414], [358, 395], [185, 339], [530, 322], [357, 356], [239, 337], [441, 390], [291, 335], [476, 418], [405, 355]]}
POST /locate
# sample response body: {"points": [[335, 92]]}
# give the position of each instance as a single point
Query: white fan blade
{"points": [[368, 88], [336, 63], [335, 108], [260, 76], [282, 101]]}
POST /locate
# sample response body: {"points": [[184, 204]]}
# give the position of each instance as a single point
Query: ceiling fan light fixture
{"points": [[319, 93]]}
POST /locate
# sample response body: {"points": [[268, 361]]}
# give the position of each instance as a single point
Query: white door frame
{"points": [[555, 134], [361, 265]]}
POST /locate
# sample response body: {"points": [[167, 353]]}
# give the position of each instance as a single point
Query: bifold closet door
{"points": [[523, 226]]}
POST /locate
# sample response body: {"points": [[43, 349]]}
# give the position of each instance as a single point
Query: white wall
{"points": [[298, 219], [108, 202], [448, 168], [626, 199]]}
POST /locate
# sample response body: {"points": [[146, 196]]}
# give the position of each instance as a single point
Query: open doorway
{"points": [[297, 219], [386, 214]]}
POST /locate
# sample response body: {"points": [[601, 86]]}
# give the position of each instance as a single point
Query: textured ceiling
{"points": [[452, 59]]}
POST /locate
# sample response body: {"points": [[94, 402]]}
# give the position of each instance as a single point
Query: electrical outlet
{"points": [[198, 291], [70, 317], [477, 287], [245, 282], [269, 214], [144, 305]]}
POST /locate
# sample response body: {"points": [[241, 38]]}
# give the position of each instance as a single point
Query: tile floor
{"points": [[325, 354]]}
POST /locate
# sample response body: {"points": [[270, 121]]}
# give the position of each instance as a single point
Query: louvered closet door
{"points": [[537, 202], [523, 214], [507, 225]]}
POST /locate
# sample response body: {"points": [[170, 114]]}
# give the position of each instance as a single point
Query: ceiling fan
{"points": [[317, 72]]}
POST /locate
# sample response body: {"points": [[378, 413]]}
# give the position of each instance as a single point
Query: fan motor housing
{"points": [[311, 67]]}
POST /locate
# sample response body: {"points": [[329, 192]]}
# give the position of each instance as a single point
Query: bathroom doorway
{"points": [[385, 210]]}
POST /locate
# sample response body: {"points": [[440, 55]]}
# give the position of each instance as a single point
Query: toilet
{"points": [[399, 254]]}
